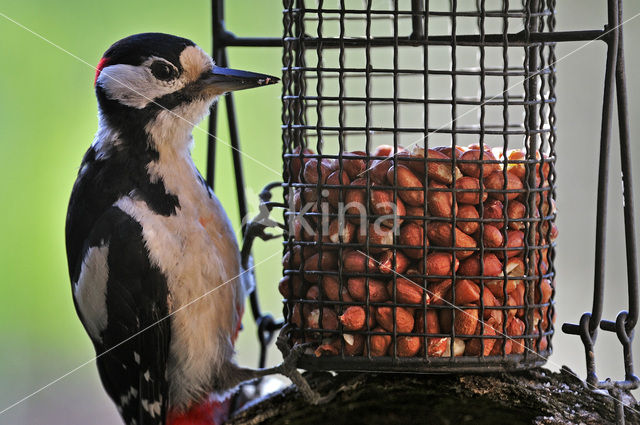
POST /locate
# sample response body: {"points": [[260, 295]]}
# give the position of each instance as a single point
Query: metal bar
{"points": [[228, 39], [531, 123], [417, 7], [626, 321], [605, 138], [266, 325], [589, 322], [217, 24], [625, 158]]}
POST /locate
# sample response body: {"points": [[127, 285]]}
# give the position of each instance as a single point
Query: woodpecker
{"points": [[146, 237]]}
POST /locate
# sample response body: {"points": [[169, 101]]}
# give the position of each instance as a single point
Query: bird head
{"points": [[145, 75]]}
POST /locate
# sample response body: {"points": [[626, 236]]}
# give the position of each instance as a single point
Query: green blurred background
{"points": [[48, 119]]}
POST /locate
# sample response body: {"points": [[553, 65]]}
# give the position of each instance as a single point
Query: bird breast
{"points": [[197, 252]]}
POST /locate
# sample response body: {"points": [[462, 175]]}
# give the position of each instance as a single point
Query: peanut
{"points": [[441, 235], [493, 210], [353, 318], [379, 236], [379, 344], [376, 289], [297, 163], [317, 263], [412, 235], [469, 191], [438, 291], [439, 166], [335, 193], [386, 264], [495, 182], [515, 243], [382, 204], [312, 175], [408, 180], [353, 344], [341, 231], [403, 319], [378, 171], [407, 291], [440, 202], [516, 210], [471, 266], [440, 264], [322, 318], [467, 292], [473, 169], [354, 163], [474, 346], [358, 262], [465, 322], [468, 212], [407, 346], [492, 237], [355, 201]]}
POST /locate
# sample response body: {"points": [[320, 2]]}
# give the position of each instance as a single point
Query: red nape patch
{"points": [[103, 62], [209, 412]]}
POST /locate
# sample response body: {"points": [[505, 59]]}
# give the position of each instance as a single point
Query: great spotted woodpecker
{"points": [[145, 237]]}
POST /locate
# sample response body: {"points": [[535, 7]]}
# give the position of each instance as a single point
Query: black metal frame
{"points": [[614, 80], [626, 320]]}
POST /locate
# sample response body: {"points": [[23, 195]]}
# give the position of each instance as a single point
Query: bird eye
{"points": [[162, 70]]}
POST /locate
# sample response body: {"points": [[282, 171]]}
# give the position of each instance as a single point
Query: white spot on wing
{"points": [[147, 376], [152, 408], [136, 357], [126, 398], [90, 291]]}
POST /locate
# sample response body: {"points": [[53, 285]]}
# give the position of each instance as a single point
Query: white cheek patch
{"points": [[90, 291], [135, 86], [194, 62]]}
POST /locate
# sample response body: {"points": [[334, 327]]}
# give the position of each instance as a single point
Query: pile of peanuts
{"points": [[410, 254]]}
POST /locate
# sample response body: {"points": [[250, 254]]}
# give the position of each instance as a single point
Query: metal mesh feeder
{"points": [[419, 173]]}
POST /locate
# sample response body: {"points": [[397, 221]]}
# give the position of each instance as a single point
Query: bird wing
{"points": [[123, 303]]}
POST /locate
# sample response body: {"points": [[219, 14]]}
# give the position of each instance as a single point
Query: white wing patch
{"points": [[90, 291]]}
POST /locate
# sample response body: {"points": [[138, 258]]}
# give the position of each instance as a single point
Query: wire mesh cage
{"points": [[419, 171]]}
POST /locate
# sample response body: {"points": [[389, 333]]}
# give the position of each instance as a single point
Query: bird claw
{"points": [[290, 362], [254, 229], [289, 368]]}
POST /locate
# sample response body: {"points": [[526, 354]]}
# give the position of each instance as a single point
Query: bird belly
{"points": [[200, 262]]}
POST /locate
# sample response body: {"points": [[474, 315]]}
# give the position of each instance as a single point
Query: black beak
{"points": [[225, 80]]}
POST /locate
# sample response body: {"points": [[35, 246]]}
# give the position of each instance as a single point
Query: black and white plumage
{"points": [[145, 235]]}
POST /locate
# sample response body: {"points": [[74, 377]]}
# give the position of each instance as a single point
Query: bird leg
{"points": [[288, 368]]}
